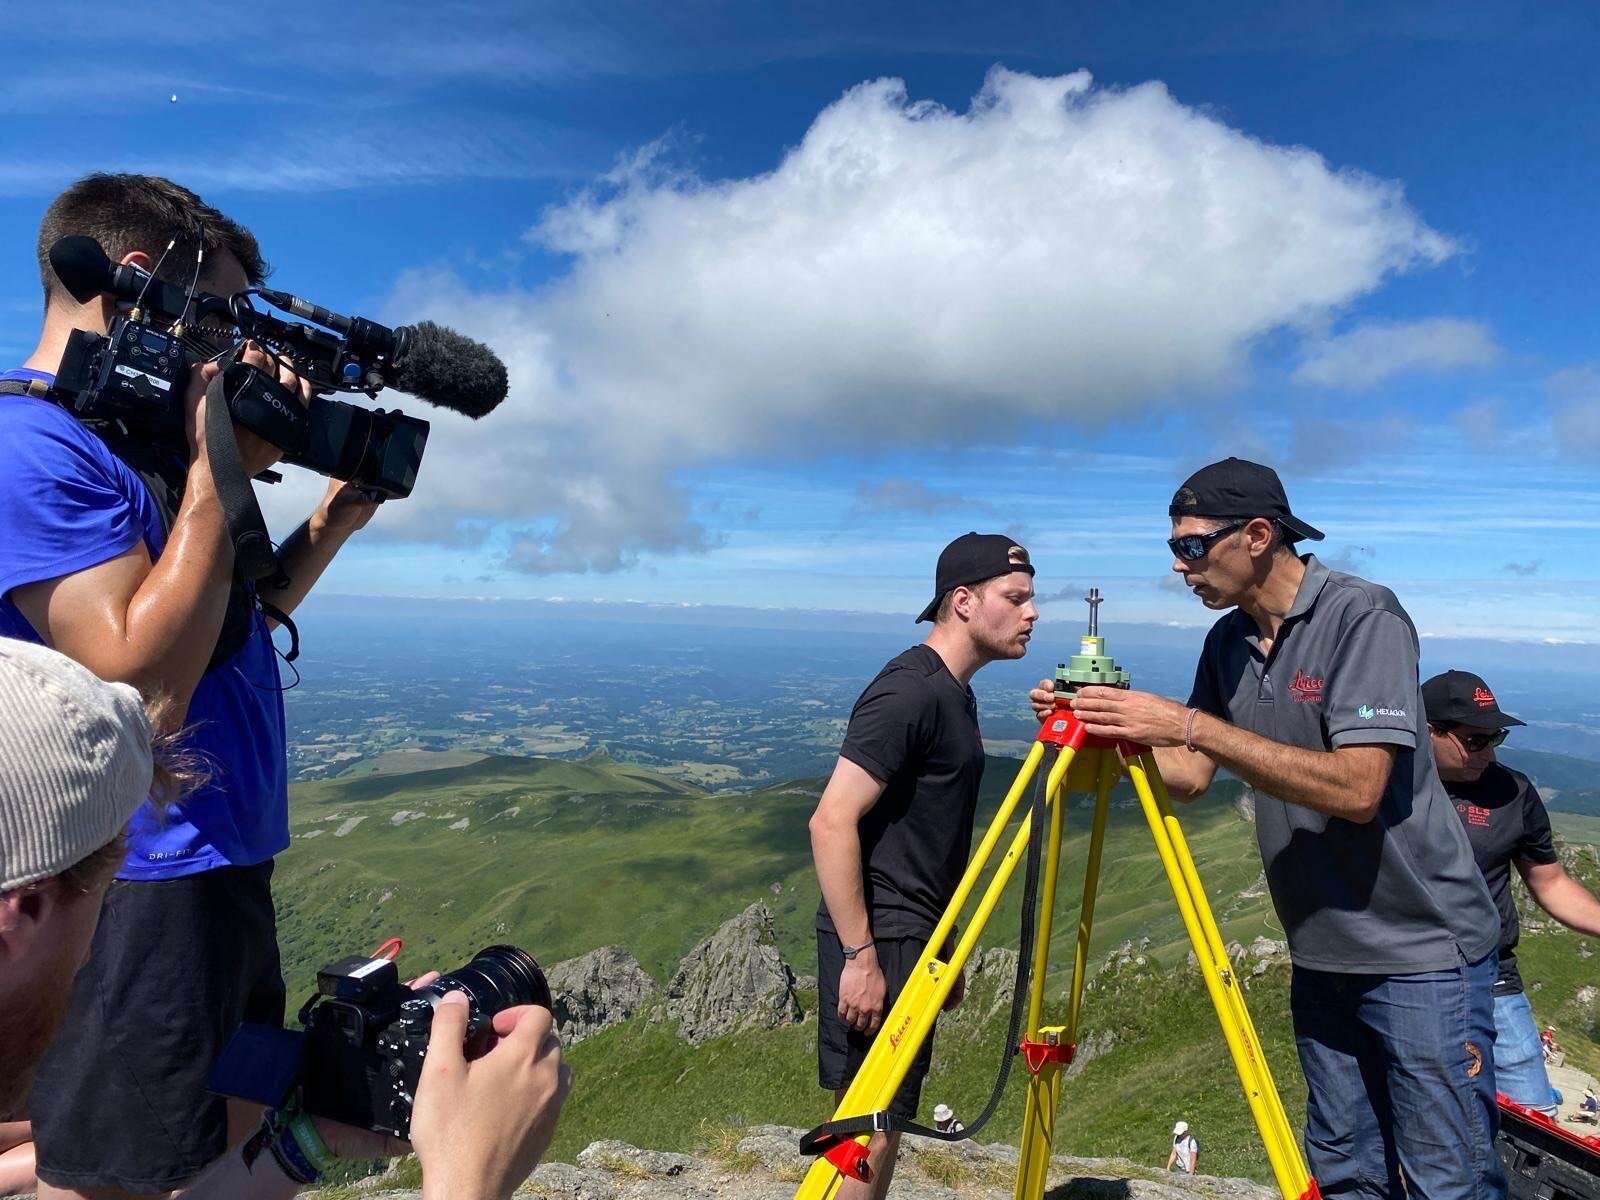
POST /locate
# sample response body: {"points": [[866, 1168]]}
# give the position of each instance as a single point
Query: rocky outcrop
{"points": [[735, 979], [1245, 804], [597, 990], [766, 1165]]}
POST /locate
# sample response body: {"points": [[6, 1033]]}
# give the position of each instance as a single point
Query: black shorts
{"points": [[175, 967], [841, 1049]]}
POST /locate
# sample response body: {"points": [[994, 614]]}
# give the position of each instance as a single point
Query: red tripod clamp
{"points": [[849, 1158], [1036, 1054], [1062, 728]]}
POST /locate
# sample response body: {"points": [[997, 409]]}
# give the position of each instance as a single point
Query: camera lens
{"points": [[498, 977]]}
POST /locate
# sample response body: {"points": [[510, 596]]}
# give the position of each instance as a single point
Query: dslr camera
{"points": [[359, 1056]]}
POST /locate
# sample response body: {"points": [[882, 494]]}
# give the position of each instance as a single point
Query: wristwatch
{"points": [[851, 952]]}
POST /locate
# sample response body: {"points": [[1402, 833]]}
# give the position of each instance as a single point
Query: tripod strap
{"points": [[826, 1136]]}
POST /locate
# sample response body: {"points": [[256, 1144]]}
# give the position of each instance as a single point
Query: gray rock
{"points": [[1245, 805], [598, 990], [733, 980], [563, 1181], [622, 1159]]}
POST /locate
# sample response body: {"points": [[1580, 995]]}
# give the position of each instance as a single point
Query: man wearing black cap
{"points": [[1307, 689], [893, 831], [1507, 825]]}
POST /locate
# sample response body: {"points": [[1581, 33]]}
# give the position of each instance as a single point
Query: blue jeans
{"points": [[1518, 1057], [1400, 1071]]}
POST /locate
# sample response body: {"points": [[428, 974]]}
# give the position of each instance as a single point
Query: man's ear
{"points": [[138, 258], [24, 918], [1258, 534]]}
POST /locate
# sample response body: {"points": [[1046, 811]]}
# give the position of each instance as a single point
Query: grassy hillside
{"points": [[561, 856]]}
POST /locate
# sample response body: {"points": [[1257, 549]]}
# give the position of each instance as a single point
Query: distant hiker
{"points": [[944, 1120], [1185, 1152], [1307, 690], [77, 760], [1552, 1052], [893, 830], [1508, 826], [114, 550]]}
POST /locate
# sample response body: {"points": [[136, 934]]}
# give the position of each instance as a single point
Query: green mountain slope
{"points": [[561, 856]]}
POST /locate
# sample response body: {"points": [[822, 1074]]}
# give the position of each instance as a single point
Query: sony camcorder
{"points": [[137, 374], [359, 1056]]}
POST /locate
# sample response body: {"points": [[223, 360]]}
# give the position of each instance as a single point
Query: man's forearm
{"points": [[1314, 779], [836, 851], [305, 555], [1569, 902], [174, 618], [1186, 774]]}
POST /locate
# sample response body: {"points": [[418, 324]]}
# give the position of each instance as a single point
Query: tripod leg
{"points": [[908, 1024], [1043, 1100], [1091, 888], [1219, 952], [1288, 1168], [1044, 1086]]}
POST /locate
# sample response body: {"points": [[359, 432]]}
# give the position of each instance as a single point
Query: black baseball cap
{"points": [[1239, 489], [1462, 698], [972, 558]]}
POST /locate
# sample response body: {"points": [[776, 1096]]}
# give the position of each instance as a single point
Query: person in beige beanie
{"points": [[76, 759]]}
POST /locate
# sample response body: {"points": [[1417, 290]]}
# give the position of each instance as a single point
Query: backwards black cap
{"points": [[972, 558], [1462, 698], [1241, 490]]}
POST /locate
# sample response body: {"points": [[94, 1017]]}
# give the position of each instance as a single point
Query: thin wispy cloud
{"points": [[1374, 352], [379, 154], [911, 496]]}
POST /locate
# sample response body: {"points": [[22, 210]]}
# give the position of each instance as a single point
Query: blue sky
{"points": [[779, 327]]}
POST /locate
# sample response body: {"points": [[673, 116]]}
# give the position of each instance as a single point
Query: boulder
{"points": [[597, 990], [735, 979], [621, 1158]]}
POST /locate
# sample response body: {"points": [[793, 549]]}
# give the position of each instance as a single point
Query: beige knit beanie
{"points": [[74, 762]]}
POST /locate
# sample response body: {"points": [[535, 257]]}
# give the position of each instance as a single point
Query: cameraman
{"points": [[76, 761], [115, 551]]}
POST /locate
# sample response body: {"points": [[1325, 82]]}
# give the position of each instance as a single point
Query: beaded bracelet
{"points": [[1188, 730]]}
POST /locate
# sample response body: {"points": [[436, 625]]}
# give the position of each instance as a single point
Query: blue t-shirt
{"points": [[66, 504]]}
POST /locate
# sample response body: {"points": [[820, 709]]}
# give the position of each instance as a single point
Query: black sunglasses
{"points": [[1192, 547], [1477, 743]]}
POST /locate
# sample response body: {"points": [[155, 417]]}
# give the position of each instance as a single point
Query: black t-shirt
{"points": [[915, 729], [1505, 820]]}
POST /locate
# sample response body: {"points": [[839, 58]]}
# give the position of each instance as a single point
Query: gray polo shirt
{"points": [[1397, 895]]}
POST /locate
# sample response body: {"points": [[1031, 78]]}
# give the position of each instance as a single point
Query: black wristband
{"points": [[850, 953]]}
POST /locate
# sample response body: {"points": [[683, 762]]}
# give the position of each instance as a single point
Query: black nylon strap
{"points": [[253, 555], [831, 1133]]}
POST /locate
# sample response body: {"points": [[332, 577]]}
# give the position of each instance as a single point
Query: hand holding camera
{"points": [[469, 1139], [256, 453]]}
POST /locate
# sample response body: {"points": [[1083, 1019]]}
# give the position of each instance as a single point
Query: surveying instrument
{"points": [[1082, 764]]}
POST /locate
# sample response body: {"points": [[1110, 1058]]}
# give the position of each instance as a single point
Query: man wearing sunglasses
{"points": [[1508, 826], [1307, 689]]}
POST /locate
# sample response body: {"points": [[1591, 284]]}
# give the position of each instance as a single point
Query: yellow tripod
{"points": [[1092, 766]]}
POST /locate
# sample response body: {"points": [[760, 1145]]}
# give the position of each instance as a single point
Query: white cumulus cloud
{"points": [[1367, 355], [906, 275]]}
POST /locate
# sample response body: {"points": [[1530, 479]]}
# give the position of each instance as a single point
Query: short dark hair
{"points": [[144, 212]]}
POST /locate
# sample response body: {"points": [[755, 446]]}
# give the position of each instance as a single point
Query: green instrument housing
{"points": [[1091, 665]]}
